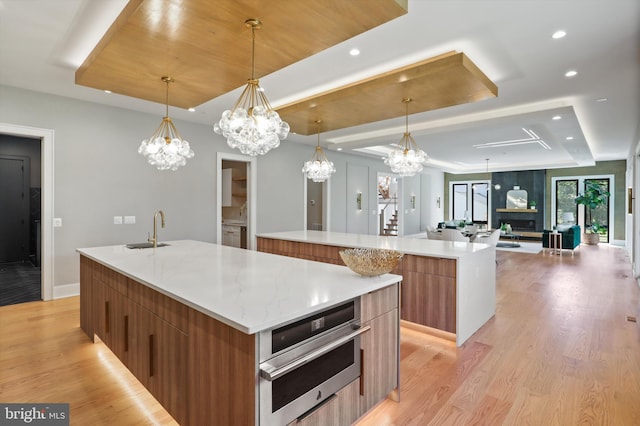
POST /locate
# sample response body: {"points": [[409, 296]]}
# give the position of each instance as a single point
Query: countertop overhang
{"points": [[248, 290], [406, 245]]}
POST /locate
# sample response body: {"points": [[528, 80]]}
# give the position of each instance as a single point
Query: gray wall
{"points": [[98, 174]]}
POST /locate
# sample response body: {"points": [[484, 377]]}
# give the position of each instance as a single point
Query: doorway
{"points": [[45, 137], [20, 218], [236, 200], [388, 201], [566, 211]]}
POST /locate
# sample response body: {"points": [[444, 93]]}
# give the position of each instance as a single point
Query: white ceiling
{"points": [[42, 42]]}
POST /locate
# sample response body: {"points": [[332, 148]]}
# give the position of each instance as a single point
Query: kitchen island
{"points": [[186, 319], [448, 288]]}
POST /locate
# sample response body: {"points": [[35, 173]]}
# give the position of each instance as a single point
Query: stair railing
{"points": [[393, 200]]}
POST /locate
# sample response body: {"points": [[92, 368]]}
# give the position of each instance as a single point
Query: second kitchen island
{"points": [[448, 287], [189, 320]]}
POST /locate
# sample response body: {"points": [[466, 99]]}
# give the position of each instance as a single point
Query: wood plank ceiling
{"points": [[205, 46], [443, 81]]}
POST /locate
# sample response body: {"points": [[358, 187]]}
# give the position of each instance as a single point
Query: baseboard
{"points": [[67, 290]]}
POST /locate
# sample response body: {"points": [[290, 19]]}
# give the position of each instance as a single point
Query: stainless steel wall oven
{"points": [[307, 361]]}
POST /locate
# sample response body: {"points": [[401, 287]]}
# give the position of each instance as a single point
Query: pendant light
{"points": [[497, 185], [408, 159], [166, 149], [319, 168], [252, 125]]}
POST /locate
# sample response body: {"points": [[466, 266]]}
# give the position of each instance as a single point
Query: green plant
{"points": [[594, 195], [532, 203]]}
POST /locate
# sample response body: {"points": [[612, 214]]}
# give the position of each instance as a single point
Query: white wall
{"points": [[99, 174]]}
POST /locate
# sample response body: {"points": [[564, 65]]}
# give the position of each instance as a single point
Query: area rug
{"points": [[525, 247]]}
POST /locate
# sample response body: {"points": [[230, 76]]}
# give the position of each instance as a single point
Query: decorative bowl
{"points": [[371, 262]]}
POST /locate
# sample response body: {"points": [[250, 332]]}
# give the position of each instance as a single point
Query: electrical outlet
{"points": [[57, 222], [129, 220], [117, 220]]}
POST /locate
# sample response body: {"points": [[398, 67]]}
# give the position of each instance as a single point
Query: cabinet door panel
{"points": [[379, 360], [162, 361]]}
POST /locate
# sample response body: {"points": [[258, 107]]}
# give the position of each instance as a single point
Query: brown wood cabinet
{"points": [[428, 283], [148, 345], [380, 350], [205, 372]]}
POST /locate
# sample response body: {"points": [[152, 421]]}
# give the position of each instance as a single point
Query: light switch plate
{"points": [[117, 220], [57, 222], [129, 220]]}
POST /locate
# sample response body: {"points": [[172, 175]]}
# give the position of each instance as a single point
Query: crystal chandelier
{"points": [[407, 159], [252, 125], [166, 149], [319, 168]]}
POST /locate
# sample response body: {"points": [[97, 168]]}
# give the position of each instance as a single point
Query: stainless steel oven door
{"points": [[294, 382]]}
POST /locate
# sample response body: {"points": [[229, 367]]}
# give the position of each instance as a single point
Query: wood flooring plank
{"points": [[559, 351]]}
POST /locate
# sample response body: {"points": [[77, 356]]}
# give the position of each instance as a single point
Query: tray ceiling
{"points": [[443, 81], [206, 47]]}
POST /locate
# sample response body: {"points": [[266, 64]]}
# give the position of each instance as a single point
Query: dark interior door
{"points": [[14, 209]]}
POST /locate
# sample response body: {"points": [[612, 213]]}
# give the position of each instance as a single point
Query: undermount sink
{"points": [[145, 245]]}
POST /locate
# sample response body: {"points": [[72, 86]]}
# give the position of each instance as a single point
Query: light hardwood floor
{"points": [[559, 351]]}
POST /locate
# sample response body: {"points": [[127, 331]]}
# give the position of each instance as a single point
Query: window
{"points": [[566, 193], [460, 209], [470, 201]]}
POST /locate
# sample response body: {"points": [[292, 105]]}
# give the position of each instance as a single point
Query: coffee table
{"points": [[515, 240]]}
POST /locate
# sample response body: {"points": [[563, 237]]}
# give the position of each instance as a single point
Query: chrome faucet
{"points": [[154, 240]]}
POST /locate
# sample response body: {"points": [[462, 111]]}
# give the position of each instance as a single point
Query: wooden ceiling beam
{"points": [[446, 80], [206, 47]]}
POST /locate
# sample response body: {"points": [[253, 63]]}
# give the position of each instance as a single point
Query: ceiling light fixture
{"points": [[252, 125], [354, 52], [319, 168], [166, 149], [559, 34], [408, 159], [571, 73]]}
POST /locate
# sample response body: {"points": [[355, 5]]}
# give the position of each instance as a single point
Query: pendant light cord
{"points": [[166, 99], [253, 52], [318, 131]]}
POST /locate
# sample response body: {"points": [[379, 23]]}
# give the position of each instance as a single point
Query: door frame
{"points": [[580, 218], [326, 192], [46, 137], [252, 185]]}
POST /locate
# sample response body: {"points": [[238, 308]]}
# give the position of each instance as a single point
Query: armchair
{"points": [[570, 237]]}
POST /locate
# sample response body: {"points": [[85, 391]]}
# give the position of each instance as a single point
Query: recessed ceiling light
{"points": [[354, 52], [107, 91], [571, 73], [192, 109], [602, 100], [559, 34], [556, 117], [569, 138], [338, 149]]}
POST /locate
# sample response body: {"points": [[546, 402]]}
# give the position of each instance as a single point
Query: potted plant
{"points": [[594, 195], [533, 204]]}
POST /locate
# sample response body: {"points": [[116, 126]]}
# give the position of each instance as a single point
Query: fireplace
{"points": [[522, 225]]}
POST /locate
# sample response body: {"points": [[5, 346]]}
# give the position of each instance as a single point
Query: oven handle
{"points": [[273, 373]]}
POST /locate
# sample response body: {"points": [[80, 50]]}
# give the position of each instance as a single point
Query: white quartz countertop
{"points": [[407, 245], [245, 289]]}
